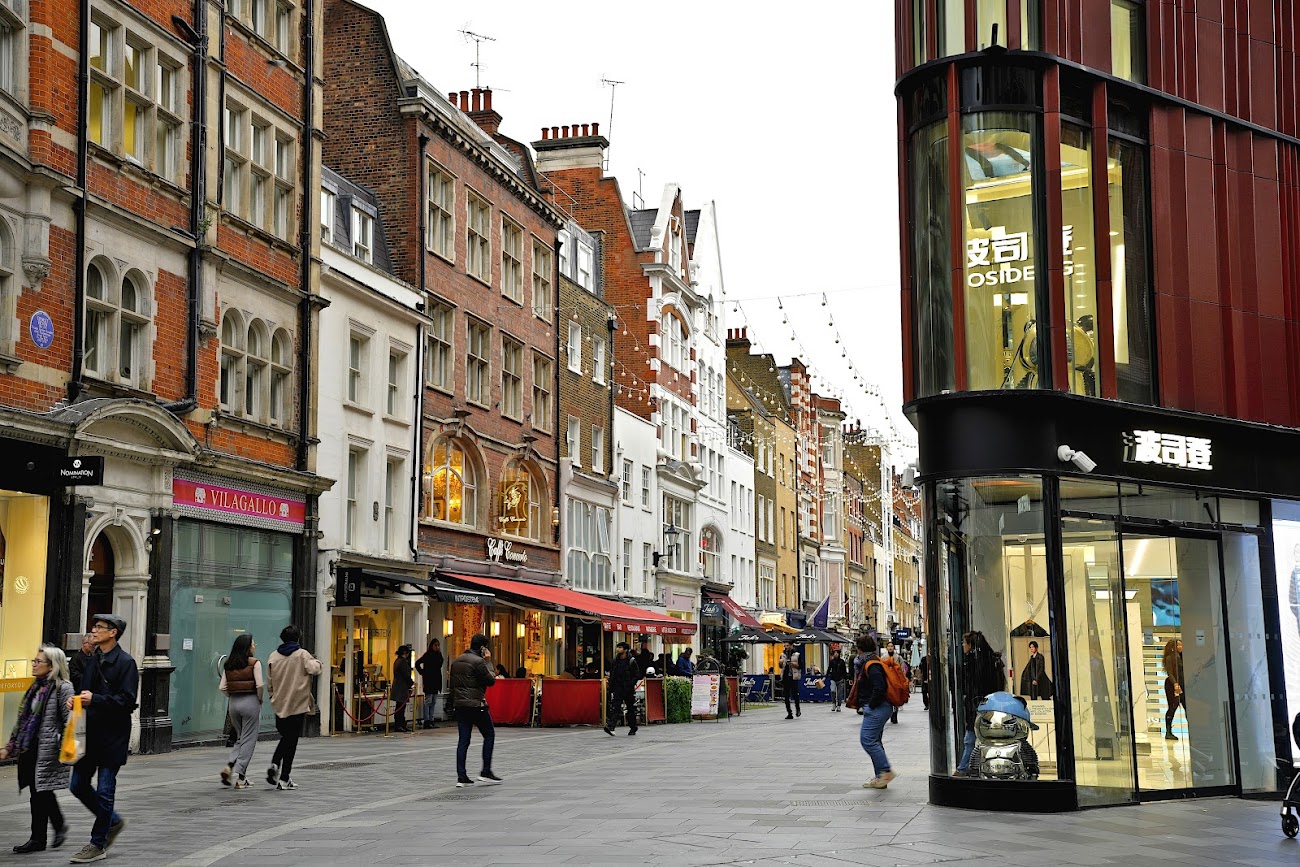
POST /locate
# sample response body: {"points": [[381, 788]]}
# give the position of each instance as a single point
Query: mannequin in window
{"points": [[1034, 682]]}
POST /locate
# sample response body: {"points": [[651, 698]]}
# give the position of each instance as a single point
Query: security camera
{"points": [[909, 476], [1079, 459]]}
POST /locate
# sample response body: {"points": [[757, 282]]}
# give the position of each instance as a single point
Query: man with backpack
{"points": [[873, 692]]}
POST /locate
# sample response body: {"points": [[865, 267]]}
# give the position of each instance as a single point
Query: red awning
{"points": [[615, 616], [743, 617]]}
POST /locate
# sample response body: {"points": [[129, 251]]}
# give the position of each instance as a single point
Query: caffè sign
{"points": [[502, 551]]}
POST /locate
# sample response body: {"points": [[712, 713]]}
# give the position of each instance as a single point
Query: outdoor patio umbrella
{"points": [[750, 635]]}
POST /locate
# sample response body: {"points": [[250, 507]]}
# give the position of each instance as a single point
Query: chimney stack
{"points": [[480, 109], [571, 146]]}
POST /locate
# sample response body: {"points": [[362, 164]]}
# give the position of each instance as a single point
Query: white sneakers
{"points": [[880, 782]]}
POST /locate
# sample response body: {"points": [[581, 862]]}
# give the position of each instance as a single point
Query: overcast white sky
{"points": [[784, 116]]}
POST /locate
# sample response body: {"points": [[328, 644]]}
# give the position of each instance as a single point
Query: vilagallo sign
{"points": [[231, 501]]}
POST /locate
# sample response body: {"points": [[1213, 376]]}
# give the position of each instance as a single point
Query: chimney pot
{"points": [[545, 132], [478, 99], [464, 100], [566, 132], [555, 132], [586, 129], [487, 99], [595, 129], [455, 98]]}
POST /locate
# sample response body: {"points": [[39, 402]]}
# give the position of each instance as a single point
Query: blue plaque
{"points": [[41, 328]]}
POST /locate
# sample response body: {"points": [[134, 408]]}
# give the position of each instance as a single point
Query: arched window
{"points": [[451, 484], [117, 318], [256, 369], [281, 366], [711, 553], [232, 359], [519, 501]]}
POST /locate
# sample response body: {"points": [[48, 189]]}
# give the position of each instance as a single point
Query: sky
{"points": [[783, 116]]}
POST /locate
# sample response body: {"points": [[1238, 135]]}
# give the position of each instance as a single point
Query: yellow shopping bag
{"points": [[74, 735]]}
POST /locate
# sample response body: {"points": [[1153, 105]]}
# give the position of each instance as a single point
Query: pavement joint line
{"points": [[214, 853]]}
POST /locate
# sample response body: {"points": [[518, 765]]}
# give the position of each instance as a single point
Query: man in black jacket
{"points": [[838, 674], [430, 668], [471, 675], [77, 661], [622, 690], [109, 686]]}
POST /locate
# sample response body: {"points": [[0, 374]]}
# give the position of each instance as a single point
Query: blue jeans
{"points": [[98, 800], [430, 705], [967, 748], [873, 726], [467, 719]]}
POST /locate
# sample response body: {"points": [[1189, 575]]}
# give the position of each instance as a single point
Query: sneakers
{"points": [[285, 785], [90, 852], [789, 716], [632, 732], [241, 783], [273, 775], [114, 830], [609, 731], [880, 782], [464, 782], [225, 775], [488, 778]]}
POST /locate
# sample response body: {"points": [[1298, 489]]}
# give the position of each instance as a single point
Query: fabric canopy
{"points": [[437, 589], [615, 616], [741, 616], [813, 635], [748, 635]]}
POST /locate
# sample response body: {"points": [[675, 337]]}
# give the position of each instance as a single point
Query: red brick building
{"points": [[157, 312]]}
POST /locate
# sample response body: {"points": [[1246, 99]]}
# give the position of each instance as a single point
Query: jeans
{"points": [[431, 707], [873, 726], [967, 749], [615, 709], [245, 713], [467, 719], [290, 729], [837, 693], [791, 689], [98, 800]]}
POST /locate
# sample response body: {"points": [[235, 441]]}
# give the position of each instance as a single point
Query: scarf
{"points": [[33, 711]]}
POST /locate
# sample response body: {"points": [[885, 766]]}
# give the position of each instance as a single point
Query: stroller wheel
{"points": [[1290, 825]]}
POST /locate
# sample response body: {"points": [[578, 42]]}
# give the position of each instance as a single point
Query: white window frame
{"points": [[586, 266], [363, 235], [354, 496], [440, 361], [645, 488], [441, 218], [512, 378], [543, 373], [542, 276], [512, 260], [478, 362], [478, 238], [598, 363], [392, 502], [328, 204], [597, 449], [573, 347], [113, 324], [573, 440], [625, 485], [395, 402], [356, 381]]}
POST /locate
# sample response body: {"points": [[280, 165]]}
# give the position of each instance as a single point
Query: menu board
{"points": [[704, 694]]}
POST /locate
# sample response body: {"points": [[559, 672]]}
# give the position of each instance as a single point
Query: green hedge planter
{"points": [[678, 695]]}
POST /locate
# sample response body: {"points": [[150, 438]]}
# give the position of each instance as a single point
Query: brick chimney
{"points": [[738, 338], [575, 146], [477, 103]]}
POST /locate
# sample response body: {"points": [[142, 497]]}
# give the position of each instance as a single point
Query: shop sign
{"points": [[347, 587], [514, 506], [80, 471], [648, 628], [205, 497], [14, 684], [502, 551], [1169, 450], [711, 609], [1001, 257]]}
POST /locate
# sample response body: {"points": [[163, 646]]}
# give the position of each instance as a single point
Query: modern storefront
{"points": [[1119, 543]]}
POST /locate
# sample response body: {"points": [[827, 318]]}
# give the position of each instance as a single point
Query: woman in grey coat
{"points": [[35, 741]]}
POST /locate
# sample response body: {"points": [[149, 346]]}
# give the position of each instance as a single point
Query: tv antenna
{"points": [[609, 127], [479, 39]]}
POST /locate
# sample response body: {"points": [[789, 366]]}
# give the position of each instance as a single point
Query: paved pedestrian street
{"points": [[754, 790]]}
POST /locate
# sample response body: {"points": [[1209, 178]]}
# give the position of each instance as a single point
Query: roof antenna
{"points": [[609, 127], [479, 39]]}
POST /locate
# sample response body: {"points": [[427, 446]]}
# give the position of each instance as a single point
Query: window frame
{"points": [[574, 352], [440, 361], [543, 297], [512, 259], [109, 320], [543, 377], [478, 362], [512, 378], [478, 237], [573, 440], [440, 216]]}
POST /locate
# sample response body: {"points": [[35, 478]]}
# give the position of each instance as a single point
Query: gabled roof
{"points": [[692, 224], [642, 223]]}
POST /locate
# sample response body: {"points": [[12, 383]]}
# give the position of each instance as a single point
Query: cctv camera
{"points": [[1079, 459]]}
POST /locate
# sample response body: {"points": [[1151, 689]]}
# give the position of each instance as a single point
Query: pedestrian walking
{"points": [[429, 667], [109, 687], [241, 681], [471, 675], [686, 665], [291, 669], [622, 690], [888, 654], [790, 677], [838, 673], [1175, 695], [77, 661], [403, 685], [924, 668], [35, 742], [873, 685]]}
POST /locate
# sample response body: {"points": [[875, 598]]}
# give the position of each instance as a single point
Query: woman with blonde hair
{"points": [[35, 742], [1174, 692]]}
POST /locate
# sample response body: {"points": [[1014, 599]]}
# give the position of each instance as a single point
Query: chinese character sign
{"points": [[1170, 450]]}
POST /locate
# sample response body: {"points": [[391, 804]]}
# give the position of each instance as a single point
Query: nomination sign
{"points": [[80, 471]]}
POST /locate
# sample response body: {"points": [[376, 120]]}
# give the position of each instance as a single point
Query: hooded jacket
{"points": [[289, 683], [470, 678]]}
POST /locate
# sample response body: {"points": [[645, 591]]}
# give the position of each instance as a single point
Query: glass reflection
{"points": [[931, 253], [1078, 251], [1130, 271]]}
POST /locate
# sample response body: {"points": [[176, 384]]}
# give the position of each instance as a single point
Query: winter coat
{"points": [[51, 774], [622, 681], [470, 678], [114, 682], [838, 671], [402, 680], [1035, 670], [430, 668], [290, 671]]}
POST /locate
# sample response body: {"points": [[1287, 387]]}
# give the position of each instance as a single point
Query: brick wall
{"points": [[579, 394]]}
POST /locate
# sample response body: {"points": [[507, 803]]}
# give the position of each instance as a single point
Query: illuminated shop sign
{"points": [[502, 551], [1001, 257], [1168, 450]]}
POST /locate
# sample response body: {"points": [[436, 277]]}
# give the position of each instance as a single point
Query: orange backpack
{"points": [[897, 687]]}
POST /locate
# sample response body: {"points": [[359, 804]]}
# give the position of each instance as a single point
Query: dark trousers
{"points": [[791, 689], [290, 729], [98, 799], [1173, 700], [399, 716], [45, 811], [615, 709], [467, 719]]}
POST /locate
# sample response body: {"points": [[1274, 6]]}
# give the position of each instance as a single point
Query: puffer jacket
{"points": [[51, 774], [470, 678]]}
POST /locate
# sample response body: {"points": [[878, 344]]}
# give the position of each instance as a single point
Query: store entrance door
{"points": [[1178, 664]]}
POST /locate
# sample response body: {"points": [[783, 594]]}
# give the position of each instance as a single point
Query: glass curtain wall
{"points": [[1079, 272], [932, 260], [1126, 167], [1128, 56]]}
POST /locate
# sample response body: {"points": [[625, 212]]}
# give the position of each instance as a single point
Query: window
{"points": [[283, 28], [232, 356], [573, 348], [450, 484], [542, 270], [1131, 270], [358, 366], [647, 568], [710, 554], [117, 341], [478, 370], [478, 249], [783, 530], [566, 254], [441, 219], [235, 170], [11, 32], [585, 267], [589, 565], [811, 590], [392, 497], [355, 493], [520, 500], [626, 482], [271, 20], [1128, 56], [1080, 284], [598, 363], [645, 487], [512, 261], [762, 530], [363, 235], [396, 373], [258, 171], [676, 515], [766, 586], [512, 378], [281, 362], [282, 213], [597, 449], [261, 174], [441, 370], [626, 586], [673, 343], [327, 217], [256, 369], [573, 440], [541, 392]]}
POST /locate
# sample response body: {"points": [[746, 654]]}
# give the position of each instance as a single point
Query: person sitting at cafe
{"points": [[521, 672], [685, 667]]}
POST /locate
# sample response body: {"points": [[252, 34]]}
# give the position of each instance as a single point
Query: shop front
{"points": [[232, 569], [1125, 566]]}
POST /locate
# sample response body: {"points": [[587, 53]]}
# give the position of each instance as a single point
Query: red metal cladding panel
{"points": [[1162, 235], [1200, 135], [1248, 377], [1243, 242], [1101, 217], [1210, 386], [1095, 32], [1263, 78], [1278, 395], [1264, 158], [1169, 128], [1174, 327], [1201, 261]]}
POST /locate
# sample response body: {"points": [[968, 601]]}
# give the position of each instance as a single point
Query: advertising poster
{"points": [[704, 694], [1286, 546]]}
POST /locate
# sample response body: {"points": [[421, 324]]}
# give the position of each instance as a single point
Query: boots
{"points": [[1169, 732]]}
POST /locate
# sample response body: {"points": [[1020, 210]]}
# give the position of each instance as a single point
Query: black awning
{"points": [[436, 589]]}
